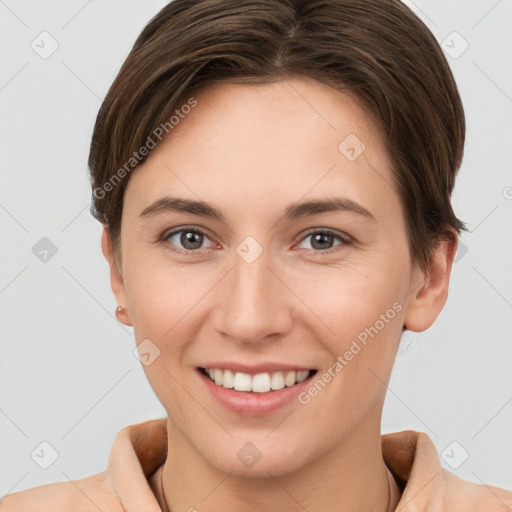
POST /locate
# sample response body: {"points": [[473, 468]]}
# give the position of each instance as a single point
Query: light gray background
{"points": [[67, 372]]}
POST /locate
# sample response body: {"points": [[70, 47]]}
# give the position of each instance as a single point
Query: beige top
{"points": [[140, 449]]}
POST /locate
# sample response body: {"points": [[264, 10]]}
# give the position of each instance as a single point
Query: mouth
{"points": [[259, 383]]}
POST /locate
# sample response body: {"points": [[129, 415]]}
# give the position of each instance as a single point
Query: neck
{"points": [[353, 476]]}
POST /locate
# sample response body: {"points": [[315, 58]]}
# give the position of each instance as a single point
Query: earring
{"points": [[119, 311]]}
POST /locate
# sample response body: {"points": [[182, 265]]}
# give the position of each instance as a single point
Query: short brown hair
{"points": [[379, 50]]}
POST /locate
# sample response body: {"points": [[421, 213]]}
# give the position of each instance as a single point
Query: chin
{"points": [[260, 459]]}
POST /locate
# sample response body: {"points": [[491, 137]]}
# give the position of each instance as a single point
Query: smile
{"points": [[259, 383]]}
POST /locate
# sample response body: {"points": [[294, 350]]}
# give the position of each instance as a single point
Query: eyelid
{"points": [[178, 229], [342, 236], [331, 231], [164, 239]]}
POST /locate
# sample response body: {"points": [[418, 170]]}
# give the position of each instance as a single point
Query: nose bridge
{"points": [[252, 305]]}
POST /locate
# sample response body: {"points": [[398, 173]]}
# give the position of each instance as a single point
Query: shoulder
{"points": [[137, 451], [414, 461], [85, 495], [472, 497]]}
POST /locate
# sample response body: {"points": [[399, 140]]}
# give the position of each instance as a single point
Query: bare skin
{"points": [[250, 151]]}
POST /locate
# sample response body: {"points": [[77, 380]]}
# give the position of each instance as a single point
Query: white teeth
{"points": [[302, 375], [259, 383], [289, 380], [242, 381], [277, 381], [228, 380]]}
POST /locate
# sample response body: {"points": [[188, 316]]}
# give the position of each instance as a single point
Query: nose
{"points": [[253, 303]]}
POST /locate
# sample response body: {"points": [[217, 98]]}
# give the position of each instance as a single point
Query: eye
{"points": [[186, 239], [192, 239], [323, 240]]}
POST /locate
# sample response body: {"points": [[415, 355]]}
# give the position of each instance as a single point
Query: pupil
{"points": [[321, 237], [190, 238]]}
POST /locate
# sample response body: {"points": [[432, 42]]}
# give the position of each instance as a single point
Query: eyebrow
{"points": [[293, 211]]}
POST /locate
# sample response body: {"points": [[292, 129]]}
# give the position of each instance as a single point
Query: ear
{"points": [[430, 287], [116, 278]]}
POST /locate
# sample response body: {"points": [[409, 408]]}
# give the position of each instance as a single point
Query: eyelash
{"points": [[343, 238]]}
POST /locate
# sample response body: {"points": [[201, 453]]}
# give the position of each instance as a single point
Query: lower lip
{"points": [[254, 404]]}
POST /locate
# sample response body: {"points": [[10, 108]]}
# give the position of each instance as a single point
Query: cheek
{"points": [[361, 317], [346, 301], [164, 297], [164, 302], [365, 314]]}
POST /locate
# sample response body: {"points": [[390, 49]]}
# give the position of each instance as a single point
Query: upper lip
{"points": [[253, 369]]}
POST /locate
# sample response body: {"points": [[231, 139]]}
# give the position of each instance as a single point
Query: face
{"points": [[264, 242]]}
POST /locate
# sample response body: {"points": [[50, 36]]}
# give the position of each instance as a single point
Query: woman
{"points": [[237, 139]]}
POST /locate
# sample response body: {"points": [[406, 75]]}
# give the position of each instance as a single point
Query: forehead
{"points": [[255, 143], [291, 110]]}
